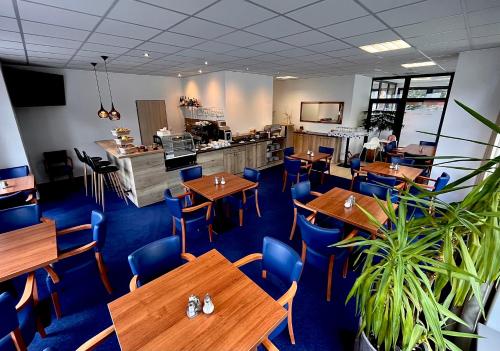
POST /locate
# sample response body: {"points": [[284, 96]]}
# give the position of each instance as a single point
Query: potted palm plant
{"points": [[421, 270]]}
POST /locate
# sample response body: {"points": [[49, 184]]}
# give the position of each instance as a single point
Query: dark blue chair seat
{"points": [[19, 217], [379, 191], [27, 325], [355, 174], [251, 195], [294, 172]]}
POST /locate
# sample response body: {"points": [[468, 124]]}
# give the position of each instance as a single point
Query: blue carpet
{"points": [[318, 325]]}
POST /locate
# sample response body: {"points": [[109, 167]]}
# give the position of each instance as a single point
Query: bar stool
{"points": [[96, 159], [82, 159]]}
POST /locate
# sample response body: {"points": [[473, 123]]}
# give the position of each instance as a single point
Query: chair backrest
{"points": [[427, 143], [55, 157], [191, 173], [441, 181], [327, 150], [174, 204], [281, 260], [380, 191], [301, 190], [402, 160], [390, 146], [355, 165], [155, 259], [79, 155], [14, 172], [288, 151], [251, 174], [317, 238], [99, 228], [378, 179], [88, 160], [292, 166], [19, 217], [419, 160], [10, 322]]}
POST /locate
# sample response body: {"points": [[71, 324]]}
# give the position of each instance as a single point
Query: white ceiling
{"points": [[305, 38]]}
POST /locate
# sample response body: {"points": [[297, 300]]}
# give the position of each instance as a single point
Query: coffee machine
{"points": [[224, 131]]}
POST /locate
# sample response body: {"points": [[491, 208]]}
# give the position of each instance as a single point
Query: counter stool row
{"points": [[103, 174]]}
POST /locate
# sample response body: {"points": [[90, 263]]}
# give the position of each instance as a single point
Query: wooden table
{"points": [[318, 156], [331, 204], [27, 249], [153, 317], [18, 184], [383, 169], [414, 149], [206, 187]]}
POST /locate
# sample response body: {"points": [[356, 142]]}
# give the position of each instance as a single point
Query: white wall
{"points": [[476, 84], [209, 88], [11, 146], [76, 124]]}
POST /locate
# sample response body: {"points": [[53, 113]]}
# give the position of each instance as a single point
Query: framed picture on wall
{"points": [[321, 111]]}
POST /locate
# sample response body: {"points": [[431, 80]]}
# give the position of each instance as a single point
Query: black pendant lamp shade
{"points": [[102, 113], [114, 115]]}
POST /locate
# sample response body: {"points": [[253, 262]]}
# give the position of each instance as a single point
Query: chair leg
{"points": [[17, 338], [345, 268], [114, 185], [285, 176], [85, 179], [38, 322], [57, 306], [257, 202], [264, 274], [290, 323], [173, 225], [210, 232], [294, 224], [183, 234], [240, 212], [330, 274], [352, 183], [102, 272], [322, 177], [101, 184]]}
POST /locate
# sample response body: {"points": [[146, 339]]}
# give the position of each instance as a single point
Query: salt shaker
{"points": [[191, 311], [308, 152], [216, 180], [208, 306], [223, 181], [312, 154]]}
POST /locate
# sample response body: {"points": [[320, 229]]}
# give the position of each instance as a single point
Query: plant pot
{"points": [[363, 344]]}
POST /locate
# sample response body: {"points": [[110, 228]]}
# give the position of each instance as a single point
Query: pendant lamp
{"points": [[102, 113], [114, 115]]}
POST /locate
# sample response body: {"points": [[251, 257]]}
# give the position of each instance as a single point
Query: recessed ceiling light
{"points": [[418, 64], [246, 69], [200, 71], [146, 54], [377, 70], [286, 77], [386, 46], [206, 63], [179, 75]]}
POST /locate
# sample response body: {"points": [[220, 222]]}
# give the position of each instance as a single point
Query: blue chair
{"points": [[188, 218], [381, 180], [356, 174], [402, 161], [324, 165], [192, 173], [315, 248], [301, 195], [295, 171], [19, 323], [19, 217], [155, 259], [427, 143], [240, 200], [416, 210], [14, 172], [283, 262], [69, 248], [288, 151], [20, 197], [380, 191]]}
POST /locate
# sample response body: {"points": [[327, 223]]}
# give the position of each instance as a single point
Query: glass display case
{"points": [[179, 150]]}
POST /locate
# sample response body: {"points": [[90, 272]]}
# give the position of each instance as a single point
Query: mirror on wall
{"points": [[321, 111]]}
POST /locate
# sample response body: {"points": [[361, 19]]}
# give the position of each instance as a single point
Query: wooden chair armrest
{"points": [[426, 178], [289, 295], [96, 340], [74, 229], [268, 345], [133, 283], [399, 186], [188, 257], [352, 234], [78, 250], [312, 217], [187, 193], [52, 274], [431, 187], [207, 204], [247, 259], [315, 193], [301, 205], [27, 293]]}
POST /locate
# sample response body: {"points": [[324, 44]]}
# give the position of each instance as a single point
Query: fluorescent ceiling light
{"points": [[286, 77], [386, 46], [422, 78], [418, 64]]}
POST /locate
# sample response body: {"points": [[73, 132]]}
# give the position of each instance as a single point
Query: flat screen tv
{"points": [[30, 88]]}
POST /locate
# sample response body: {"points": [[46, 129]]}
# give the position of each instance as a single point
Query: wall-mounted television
{"points": [[31, 88]]}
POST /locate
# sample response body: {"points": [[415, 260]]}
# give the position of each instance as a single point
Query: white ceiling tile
{"points": [[48, 55], [486, 30], [381, 5], [18, 59], [244, 52], [133, 60], [241, 38], [156, 47], [144, 14], [372, 38], [42, 40], [185, 6], [99, 38], [123, 29], [193, 53], [345, 52], [9, 24], [54, 31], [328, 12], [11, 45], [104, 49], [476, 5], [50, 49], [89, 56], [200, 28], [6, 8], [328, 46], [270, 46], [242, 13], [177, 39], [295, 52], [433, 26], [51, 15], [419, 12], [438, 38], [214, 46], [95, 7], [492, 40], [354, 27], [179, 59], [11, 50], [269, 58], [277, 27], [282, 6], [10, 36], [479, 18], [306, 38]]}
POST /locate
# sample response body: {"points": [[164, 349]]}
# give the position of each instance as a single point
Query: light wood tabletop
{"points": [[332, 202], [27, 249], [382, 168], [318, 156], [205, 186], [153, 317], [415, 149], [18, 184]]}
